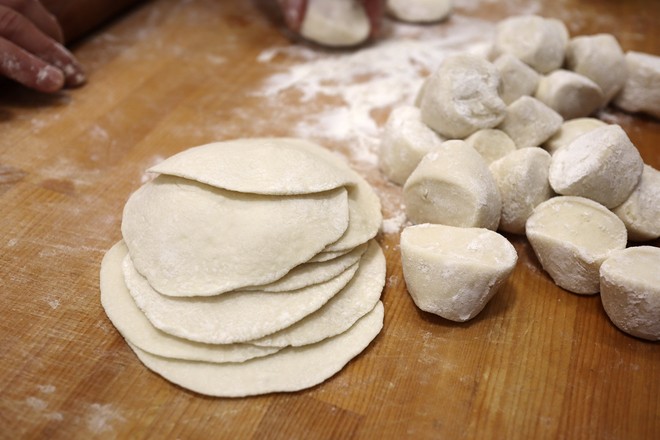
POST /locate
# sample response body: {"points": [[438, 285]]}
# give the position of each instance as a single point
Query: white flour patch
{"points": [[46, 389], [12, 242], [100, 418], [36, 403]]}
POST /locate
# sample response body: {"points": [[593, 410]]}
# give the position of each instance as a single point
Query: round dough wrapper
{"points": [[259, 166], [291, 369], [137, 330], [641, 91], [453, 186], [454, 272], [322, 257], [571, 130], [522, 178], [231, 317], [354, 301], [419, 11], [630, 291], [571, 237], [529, 122], [217, 240], [641, 211], [335, 23], [602, 165], [491, 144], [570, 94]]}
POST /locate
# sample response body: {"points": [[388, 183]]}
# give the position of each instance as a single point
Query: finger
{"points": [[20, 31], [25, 68], [375, 10], [294, 12], [37, 13]]}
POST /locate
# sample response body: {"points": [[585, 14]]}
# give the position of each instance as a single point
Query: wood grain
{"points": [[538, 362]]}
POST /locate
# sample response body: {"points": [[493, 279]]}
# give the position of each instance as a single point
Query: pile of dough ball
{"points": [[248, 267], [505, 141]]}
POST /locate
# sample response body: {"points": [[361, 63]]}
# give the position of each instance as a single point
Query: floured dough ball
{"points": [[335, 22], [245, 264], [569, 131], [641, 91], [518, 79], [462, 97], [602, 165], [491, 143], [453, 272], [522, 178], [599, 58], [537, 41], [641, 211], [529, 122], [452, 185], [419, 11], [406, 139], [570, 94], [630, 291], [571, 237]]}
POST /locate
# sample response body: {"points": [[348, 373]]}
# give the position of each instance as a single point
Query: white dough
{"points": [[491, 144], [522, 178], [641, 91], [599, 58], [602, 165], [539, 42], [406, 139], [570, 94], [335, 22], [233, 316], [571, 237], [454, 272], [453, 186], [518, 79], [569, 131], [192, 239], [630, 291], [136, 328], [291, 369], [419, 11], [462, 97], [641, 211], [529, 122]]}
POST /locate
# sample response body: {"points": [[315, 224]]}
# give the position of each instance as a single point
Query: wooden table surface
{"points": [[538, 362]]}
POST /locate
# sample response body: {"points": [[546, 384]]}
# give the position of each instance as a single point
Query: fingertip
{"points": [[49, 79]]}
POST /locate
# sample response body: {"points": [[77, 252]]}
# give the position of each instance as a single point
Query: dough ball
{"points": [[630, 291], [641, 91], [452, 185], [569, 131], [406, 139], [522, 178], [641, 211], [599, 58], [602, 165], [571, 237], [454, 272], [336, 22], [462, 97], [518, 79], [529, 122], [537, 41], [419, 11], [491, 143], [570, 94]]}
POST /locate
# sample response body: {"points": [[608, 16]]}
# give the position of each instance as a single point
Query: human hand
{"points": [[31, 50]]}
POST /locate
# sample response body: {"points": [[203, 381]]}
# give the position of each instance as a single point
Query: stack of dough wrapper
{"points": [[248, 267]]}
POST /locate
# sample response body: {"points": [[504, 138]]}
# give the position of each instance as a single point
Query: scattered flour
{"points": [[100, 418]]}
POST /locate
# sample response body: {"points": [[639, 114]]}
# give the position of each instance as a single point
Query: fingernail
{"points": [[50, 79]]}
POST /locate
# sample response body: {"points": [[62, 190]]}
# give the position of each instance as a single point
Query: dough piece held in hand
{"points": [[406, 139], [602, 165], [462, 97], [335, 22], [419, 11], [569, 94], [641, 211], [599, 58], [452, 185], [529, 122], [569, 131], [641, 91], [454, 272], [491, 143], [518, 79], [571, 237], [630, 291], [522, 178]]}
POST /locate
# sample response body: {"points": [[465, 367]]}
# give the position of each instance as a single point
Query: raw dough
{"points": [[453, 272], [291, 369], [462, 97], [630, 291], [641, 211], [335, 22], [569, 131], [571, 237], [419, 11], [491, 144], [570, 94], [529, 122], [641, 91], [452, 185], [602, 165], [518, 79]]}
